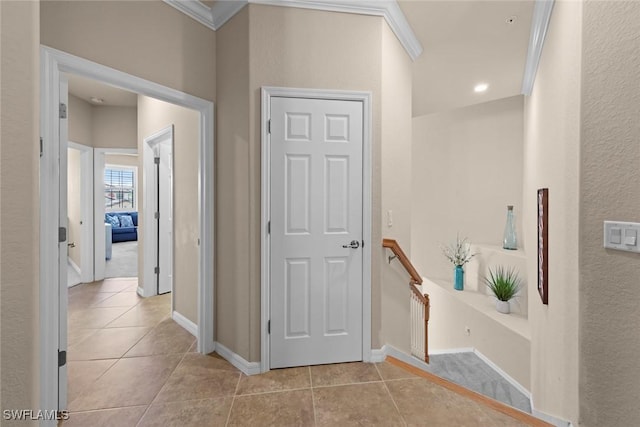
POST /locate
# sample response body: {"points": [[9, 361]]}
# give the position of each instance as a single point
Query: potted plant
{"points": [[504, 283], [458, 253]]}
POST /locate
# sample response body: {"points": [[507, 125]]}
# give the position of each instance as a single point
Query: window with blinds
{"points": [[119, 188]]}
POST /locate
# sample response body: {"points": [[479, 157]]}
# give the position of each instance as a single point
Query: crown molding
{"points": [[195, 9], [539, 26], [224, 10], [388, 9]]}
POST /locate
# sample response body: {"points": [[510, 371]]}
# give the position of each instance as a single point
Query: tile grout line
{"points": [[313, 398], [384, 382], [161, 388], [233, 399]]}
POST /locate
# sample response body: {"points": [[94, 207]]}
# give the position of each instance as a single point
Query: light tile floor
{"points": [[131, 365]]}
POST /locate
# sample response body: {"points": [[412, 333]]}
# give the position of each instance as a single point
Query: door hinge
{"points": [[269, 227], [62, 234], [62, 358], [63, 110], [41, 147], [156, 270], [269, 126], [269, 327], [363, 243], [156, 215], [156, 160]]}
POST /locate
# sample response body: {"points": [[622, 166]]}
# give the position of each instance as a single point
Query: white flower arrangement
{"points": [[458, 253]]}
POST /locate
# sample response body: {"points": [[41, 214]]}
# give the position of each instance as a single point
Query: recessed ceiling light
{"points": [[481, 87], [96, 100]]}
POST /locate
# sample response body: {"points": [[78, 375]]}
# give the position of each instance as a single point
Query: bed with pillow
{"points": [[124, 226]]}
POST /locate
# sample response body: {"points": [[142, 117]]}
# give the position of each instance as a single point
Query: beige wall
{"points": [[467, 167], [153, 116], [394, 179], [114, 127], [19, 213], [551, 160], [609, 190], [148, 39], [80, 114], [122, 159], [73, 204], [232, 173], [290, 48]]}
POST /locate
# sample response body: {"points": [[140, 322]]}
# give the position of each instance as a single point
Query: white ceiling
{"points": [[84, 89], [465, 43]]}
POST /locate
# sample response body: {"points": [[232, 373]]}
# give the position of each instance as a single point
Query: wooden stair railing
{"points": [[419, 303]]}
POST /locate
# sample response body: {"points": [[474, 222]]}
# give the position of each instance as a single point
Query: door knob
{"points": [[353, 245]]}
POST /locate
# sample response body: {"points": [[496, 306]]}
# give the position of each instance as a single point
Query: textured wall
{"points": [[467, 167], [395, 182], [609, 190], [232, 184], [19, 213], [551, 160], [114, 127], [148, 39]]}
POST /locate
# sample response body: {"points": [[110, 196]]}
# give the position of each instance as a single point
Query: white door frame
{"points": [[52, 63], [99, 164], [265, 200], [86, 211], [149, 206]]}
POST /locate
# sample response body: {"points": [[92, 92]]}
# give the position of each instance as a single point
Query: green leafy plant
{"points": [[503, 282], [458, 253]]}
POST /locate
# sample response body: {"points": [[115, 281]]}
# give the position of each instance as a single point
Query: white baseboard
{"points": [[451, 351], [504, 375], [187, 324], [549, 418], [77, 269], [378, 354], [140, 291], [247, 368]]}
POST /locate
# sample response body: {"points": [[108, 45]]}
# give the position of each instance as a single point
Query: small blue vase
{"points": [[458, 283]]}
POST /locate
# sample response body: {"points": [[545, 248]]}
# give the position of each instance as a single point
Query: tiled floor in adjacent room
{"points": [[131, 365]]}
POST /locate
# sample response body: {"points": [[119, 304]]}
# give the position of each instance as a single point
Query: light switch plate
{"points": [[622, 236]]}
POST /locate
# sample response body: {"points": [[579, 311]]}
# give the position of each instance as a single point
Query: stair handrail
{"points": [[394, 246]]}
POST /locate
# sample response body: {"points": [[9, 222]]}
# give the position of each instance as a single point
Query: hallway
{"points": [[131, 365]]}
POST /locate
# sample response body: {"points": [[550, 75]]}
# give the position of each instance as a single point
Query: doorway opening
{"points": [[54, 219]]}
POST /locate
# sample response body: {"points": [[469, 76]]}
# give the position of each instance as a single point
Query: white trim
{"points": [[187, 324], [74, 266], [549, 418], [149, 203], [53, 63], [406, 358], [503, 374], [389, 10], [265, 242], [222, 11], [195, 9], [86, 210], [378, 355], [451, 351], [247, 368], [539, 26], [99, 164]]}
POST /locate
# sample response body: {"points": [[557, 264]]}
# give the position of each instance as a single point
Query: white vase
{"points": [[503, 307]]}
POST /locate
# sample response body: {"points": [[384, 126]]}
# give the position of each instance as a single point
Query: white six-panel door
{"points": [[316, 231]]}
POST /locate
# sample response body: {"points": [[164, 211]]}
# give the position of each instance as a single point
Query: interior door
{"points": [[63, 251], [165, 220], [316, 231]]}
